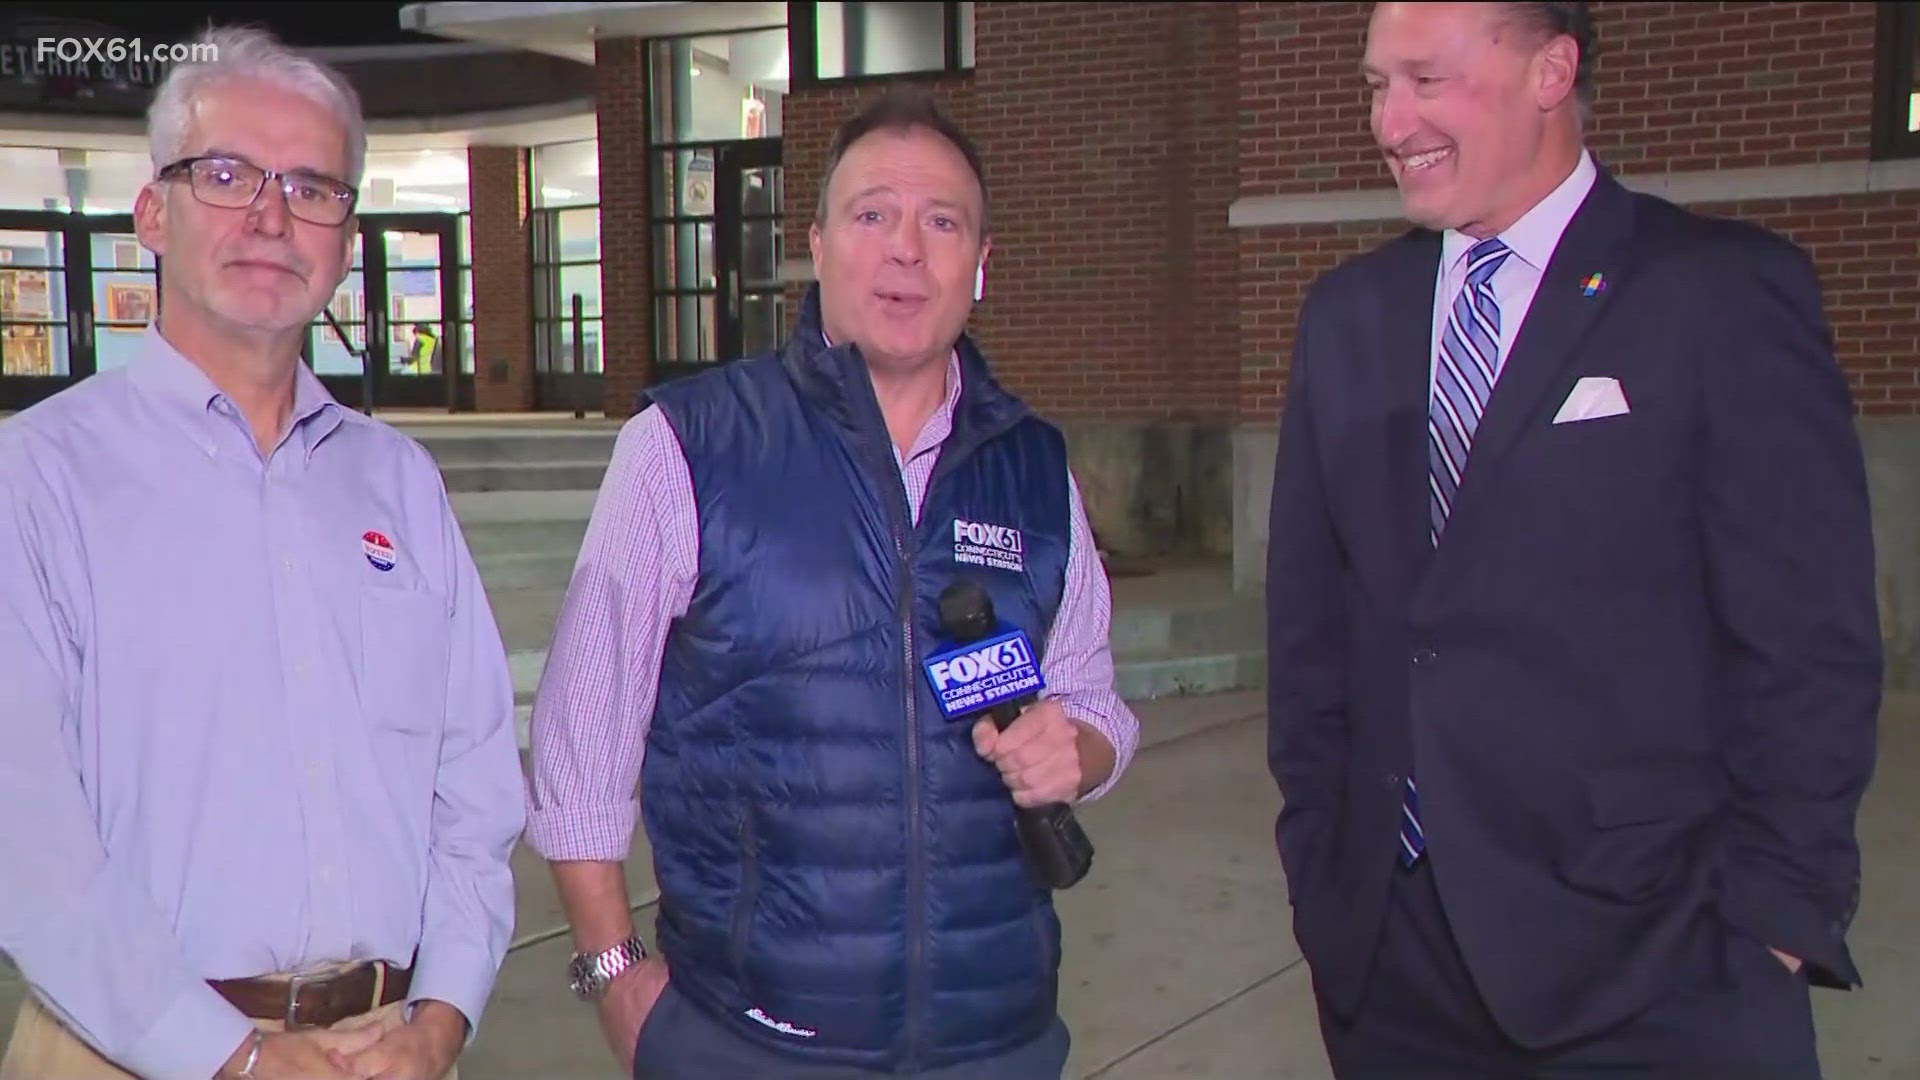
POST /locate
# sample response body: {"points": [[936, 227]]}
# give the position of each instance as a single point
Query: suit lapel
{"points": [[1407, 316], [1381, 471], [1559, 316]]}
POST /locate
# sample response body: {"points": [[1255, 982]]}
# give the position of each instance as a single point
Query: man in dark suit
{"points": [[1574, 655]]}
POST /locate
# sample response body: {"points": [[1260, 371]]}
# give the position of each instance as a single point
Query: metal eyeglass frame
{"points": [[184, 166]]}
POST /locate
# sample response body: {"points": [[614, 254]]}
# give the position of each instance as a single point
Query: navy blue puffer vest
{"points": [[839, 874]]}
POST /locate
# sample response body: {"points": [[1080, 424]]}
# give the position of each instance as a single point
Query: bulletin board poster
{"points": [[25, 294], [26, 350]]}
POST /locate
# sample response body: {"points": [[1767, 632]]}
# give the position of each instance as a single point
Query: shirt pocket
{"points": [[405, 646]]}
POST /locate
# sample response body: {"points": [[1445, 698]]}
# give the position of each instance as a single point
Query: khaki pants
{"points": [[43, 1049]]}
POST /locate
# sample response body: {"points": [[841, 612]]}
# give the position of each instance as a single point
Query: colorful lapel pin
{"points": [[1594, 284]]}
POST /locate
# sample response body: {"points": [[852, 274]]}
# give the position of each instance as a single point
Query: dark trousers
{"points": [[679, 1041], [1421, 1016]]}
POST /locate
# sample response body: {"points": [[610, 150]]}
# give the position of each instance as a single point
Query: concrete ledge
{"points": [[1153, 487], [1724, 185]]}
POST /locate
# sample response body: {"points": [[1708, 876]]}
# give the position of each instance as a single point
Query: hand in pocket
{"points": [[629, 1000]]}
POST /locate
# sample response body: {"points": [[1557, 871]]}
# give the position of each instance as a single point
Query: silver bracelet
{"points": [[253, 1056]]}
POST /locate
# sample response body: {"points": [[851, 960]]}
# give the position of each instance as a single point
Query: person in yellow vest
{"points": [[424, 340]]}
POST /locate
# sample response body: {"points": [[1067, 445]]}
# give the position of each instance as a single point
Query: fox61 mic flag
{"points": [[975, 677]]}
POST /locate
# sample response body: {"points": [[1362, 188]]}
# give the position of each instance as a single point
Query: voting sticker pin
{"points": [[379, 551]]}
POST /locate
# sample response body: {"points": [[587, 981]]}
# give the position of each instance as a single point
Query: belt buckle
{"points": [[294, 982]]}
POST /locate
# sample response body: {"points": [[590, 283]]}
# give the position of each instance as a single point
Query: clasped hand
{"points": [[1038, 755]]}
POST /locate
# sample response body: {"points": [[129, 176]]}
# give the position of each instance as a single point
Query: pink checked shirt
{"points": [[636, 574]]}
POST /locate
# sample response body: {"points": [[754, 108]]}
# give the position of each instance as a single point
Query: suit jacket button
{"points": [[1393, 779], [1422, 657]]}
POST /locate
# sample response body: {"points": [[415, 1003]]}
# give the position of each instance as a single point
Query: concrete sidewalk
{"points": [[1179, 954], [1179, 958]]}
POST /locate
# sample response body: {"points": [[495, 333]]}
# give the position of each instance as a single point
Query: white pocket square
{"points": [[1593, 398]]}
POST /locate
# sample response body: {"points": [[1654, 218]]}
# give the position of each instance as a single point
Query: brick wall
{"points": [[1107, 133], [626, 239], [1680, 87], [1276, 266], [502, 287], [1867, 248]]}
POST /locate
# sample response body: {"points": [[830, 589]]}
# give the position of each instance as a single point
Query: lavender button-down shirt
{"points": [[255, 715]]}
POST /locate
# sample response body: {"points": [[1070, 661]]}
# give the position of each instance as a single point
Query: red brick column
{"points": [[502, 286], [626, 240]]}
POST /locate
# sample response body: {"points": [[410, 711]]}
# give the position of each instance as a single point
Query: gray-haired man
{"points": [[260, 782]]}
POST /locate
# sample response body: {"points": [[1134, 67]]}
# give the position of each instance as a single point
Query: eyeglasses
{"points": [[232, 184]]}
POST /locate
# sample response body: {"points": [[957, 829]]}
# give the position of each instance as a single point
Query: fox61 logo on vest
{"points": [[980, 543]]}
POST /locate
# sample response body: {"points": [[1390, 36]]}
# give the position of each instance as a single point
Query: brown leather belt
{"points": [[315, 1001]]}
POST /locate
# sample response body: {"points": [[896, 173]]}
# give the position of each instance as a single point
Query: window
{"points": [[414, 180], [85, 181], [566, 255], [33, 304], [1896, 96], [465, 317], [840, 42], [126, 289], [328, 352], [716, 114], [718, 87]]}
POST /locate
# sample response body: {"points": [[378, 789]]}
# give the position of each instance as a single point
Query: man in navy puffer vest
{"points": [[842, 890]]}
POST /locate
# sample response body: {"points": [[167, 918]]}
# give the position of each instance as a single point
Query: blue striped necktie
{"points": [[1462, 382]]}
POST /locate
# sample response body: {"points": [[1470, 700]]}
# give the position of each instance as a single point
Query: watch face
{"points": [[580, 975]]}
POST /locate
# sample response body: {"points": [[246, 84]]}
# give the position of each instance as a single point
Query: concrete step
{"points": [[452, 447], [527, 569], [1200, 623], [548, 475], [477, 508], [525, 537], [1184, 673], [532, 457]]}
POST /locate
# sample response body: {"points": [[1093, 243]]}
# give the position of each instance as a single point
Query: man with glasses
{"points": [[260, 782]]}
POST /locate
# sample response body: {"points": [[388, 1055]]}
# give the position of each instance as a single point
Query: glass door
{"points": [[752, 296], [123, 292], [396, 311], [410, 295], [42, 307], [337, 338], [717, 247]]}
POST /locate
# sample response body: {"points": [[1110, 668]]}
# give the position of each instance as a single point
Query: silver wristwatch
{"points": [[589, 973]]}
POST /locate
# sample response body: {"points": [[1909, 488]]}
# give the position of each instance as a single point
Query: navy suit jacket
{"points": [[1639, 676]]}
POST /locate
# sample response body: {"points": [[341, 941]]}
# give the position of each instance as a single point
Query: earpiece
{"points": [[980, 282]]}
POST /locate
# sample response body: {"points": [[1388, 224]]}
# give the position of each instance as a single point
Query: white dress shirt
{"points": [[1532, 239]]}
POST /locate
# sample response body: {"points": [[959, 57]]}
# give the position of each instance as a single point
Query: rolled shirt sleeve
{"points": [[635, 574], [1077, 663]]}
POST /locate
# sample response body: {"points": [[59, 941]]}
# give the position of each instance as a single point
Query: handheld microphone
{"points": [[992, 669]]}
